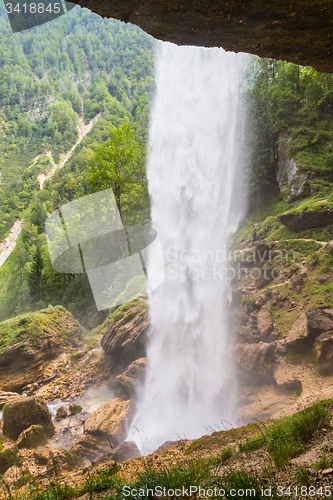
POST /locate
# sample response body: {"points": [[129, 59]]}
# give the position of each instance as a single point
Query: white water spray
{"points": [[197, 202]]}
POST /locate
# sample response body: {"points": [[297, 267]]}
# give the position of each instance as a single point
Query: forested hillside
{"points": [[54, 80]]}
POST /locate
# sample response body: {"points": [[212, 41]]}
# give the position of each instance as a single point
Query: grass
{"points": [[288, 436], [31, 325], [325, 462]]}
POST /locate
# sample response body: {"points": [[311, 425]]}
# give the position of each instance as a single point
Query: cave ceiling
{"points": [[299, 31]]}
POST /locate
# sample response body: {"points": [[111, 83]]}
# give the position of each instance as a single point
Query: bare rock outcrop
{"points": [[323, 349], [38, 340], [126, 384], [124, 334], [255, 362], [265, 322], [307, 327]]}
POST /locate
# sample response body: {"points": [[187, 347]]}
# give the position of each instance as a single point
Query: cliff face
{"points": [[298, 31]]}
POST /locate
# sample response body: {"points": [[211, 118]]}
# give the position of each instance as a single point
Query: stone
{"points": [[62, 460], [265, 276], [125, 451], [289, 386], [261, 252], [41, 455], [329, 248], [318, 321], [32, 437], [7, 397], [260, 301], [309, 325], [323, 349], [247, 334], [124, 334], [255, 362], [61, 413], [24, 412], [127, 384], [14, 477], [307, 219], [265, 323], [74, 409], [326, 277], [91, 447], [313, 262], [297, 280], [112, 420]]}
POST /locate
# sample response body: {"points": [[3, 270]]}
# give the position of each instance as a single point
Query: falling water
{"points": [[197, 197]]}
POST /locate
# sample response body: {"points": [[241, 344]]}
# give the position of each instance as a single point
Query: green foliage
{"points": [[287, 437], [325, 461], [53, 79]]}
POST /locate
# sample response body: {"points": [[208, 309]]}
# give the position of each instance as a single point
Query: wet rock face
{"points": [[24, 412], [124, 338], [111, 420], [299, 31], [255, 362]]}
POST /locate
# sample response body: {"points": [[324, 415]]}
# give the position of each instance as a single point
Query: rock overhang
{"points": [[296, 31]]}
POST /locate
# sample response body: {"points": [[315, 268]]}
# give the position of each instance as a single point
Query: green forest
{"points": [[54, 78]]}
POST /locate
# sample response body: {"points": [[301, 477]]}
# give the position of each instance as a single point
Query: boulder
{"points": [[323, 349], [306, 328], [264, 276], [265, 322], [91, 447], [32, 437], [41, 455], [61, 460], [74, 409], [24, 412], [318, 321], [307, 219], [288, 174], [7, 397], [127, 384], [289, 386], [255, 362], [123, 452], [329, 248], [61, 413], [261, 252], [14, 477], [124, 335], [298, 280], [260, 301], [111, 420]]}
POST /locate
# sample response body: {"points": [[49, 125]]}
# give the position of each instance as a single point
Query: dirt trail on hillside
{"points": [[83, 131], [9, 243]]}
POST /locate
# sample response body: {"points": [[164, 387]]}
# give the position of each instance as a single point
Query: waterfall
{"points": [[197, 196]]}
